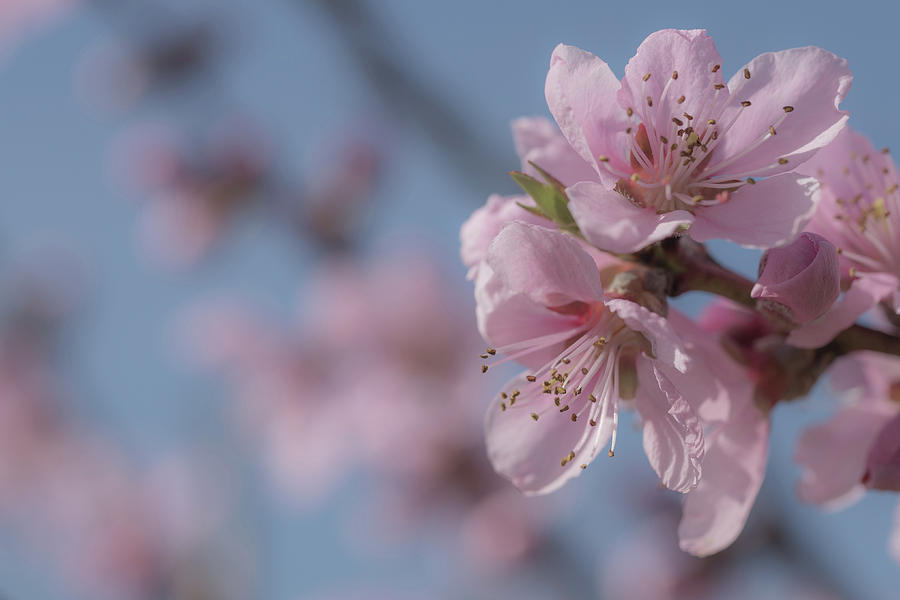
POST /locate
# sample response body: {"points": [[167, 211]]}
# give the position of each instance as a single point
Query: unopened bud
{"points": [[800, 281]]}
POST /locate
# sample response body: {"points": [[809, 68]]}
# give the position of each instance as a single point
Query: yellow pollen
{"points": [[782, 161], [772, 129], [647, 76], [611, 453], [629, 111]]}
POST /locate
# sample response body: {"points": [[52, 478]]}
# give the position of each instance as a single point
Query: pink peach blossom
{"points": [[856, 448], [541, 302], [675, 147], [859, 212]]}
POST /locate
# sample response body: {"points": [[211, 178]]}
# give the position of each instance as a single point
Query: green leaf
{"points": [[550, 198]]}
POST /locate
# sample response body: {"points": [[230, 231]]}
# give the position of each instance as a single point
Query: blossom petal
{"points": [[539, 141], [506, 320], [883, 463], [811, 82], [833, 456], [733, 471], [666, 344], [581, 93], [547, 266], [673, 435], [681, 65], [480, 229], [763, 215], [529, 452], [863, 295], [611, 222]]}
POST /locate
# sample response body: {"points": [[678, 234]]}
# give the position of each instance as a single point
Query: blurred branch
{"points": [[375, 48]]}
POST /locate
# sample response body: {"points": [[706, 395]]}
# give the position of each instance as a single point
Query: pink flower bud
{"points": [[799, 281]]}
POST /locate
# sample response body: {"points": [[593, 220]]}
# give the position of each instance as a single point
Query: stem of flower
{"points": [[690, 268]]}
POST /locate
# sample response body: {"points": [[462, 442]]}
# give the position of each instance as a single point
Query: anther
{"points": [[583, 467], [629, 111], [664, 139], [772, 130], [611, 453], [711, 122], [482, 356], [491, 351], [593, 423], [680, 100], [503, 395], [556, 401], [688, 117], [678, 121], [603, 158], [484, 368], [564, 408], [674, 74], [788, 109], [647, 76], [745, 103], [574, 418], [885, 150], [503, 406], [716, 68], [751, 181], [535, 416], [782, 161], [719, 86], [649, 101], [746, 73], [592, 398], [584, 370], [634, 177], [531, 378]]}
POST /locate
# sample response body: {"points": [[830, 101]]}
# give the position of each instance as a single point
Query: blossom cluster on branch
{"points": [[572, 278]]}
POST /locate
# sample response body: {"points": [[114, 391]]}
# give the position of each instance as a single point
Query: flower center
{"points": [[670, 150], [864, 223], [585, 380]]}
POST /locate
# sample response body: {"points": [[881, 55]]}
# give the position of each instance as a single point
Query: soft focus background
{"points": [[237, 347]]}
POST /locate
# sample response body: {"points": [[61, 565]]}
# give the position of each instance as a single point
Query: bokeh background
{"points": [[208, 205]]}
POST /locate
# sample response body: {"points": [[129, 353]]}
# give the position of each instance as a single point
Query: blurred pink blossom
{"points": [[193, 196], [856, 448]]}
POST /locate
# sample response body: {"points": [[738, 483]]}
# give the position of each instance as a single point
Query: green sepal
{"points": [[550, 198]]}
